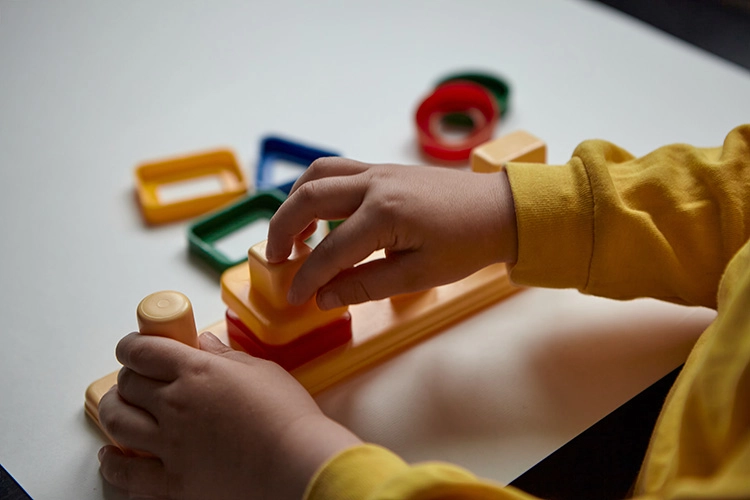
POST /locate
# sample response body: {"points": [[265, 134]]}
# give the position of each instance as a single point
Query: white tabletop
{"points": [[90, 89]]}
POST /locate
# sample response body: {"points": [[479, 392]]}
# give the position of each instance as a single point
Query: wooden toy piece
{"points": [[220, 164], [519, 146], [256, 293], [168, 314]]}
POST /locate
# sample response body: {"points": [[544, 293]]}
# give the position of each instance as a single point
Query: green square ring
{"points": [[203, 234]]}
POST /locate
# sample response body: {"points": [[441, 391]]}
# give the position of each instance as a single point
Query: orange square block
{"points": [[256, 292], [519, 146], [219, 165], [272, 281]]}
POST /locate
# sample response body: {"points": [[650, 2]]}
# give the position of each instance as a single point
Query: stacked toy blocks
{"points": [[322, 347], [261, 322]]}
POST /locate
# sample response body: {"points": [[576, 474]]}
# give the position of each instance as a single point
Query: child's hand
{"points": [[436, 225], [217, 424]]}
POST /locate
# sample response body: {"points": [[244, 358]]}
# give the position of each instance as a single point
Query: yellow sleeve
{"points": [[664, 225], [369, 472]]}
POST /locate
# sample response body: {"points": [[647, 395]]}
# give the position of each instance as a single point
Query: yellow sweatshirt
{"points": [[673, 225]]}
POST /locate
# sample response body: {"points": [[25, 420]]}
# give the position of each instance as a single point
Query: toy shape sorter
{"points": [[153, 178], [320, 348], [274, 149], [204, 234]]}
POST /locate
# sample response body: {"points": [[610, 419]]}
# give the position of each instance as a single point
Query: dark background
{"points": [[721, 27]]}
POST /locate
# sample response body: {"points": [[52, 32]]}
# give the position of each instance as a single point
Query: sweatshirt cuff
{"points": [[354, 473], [555, 217]]}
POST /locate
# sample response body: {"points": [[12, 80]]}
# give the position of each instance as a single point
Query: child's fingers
{"points": [[372, 280], [137, 475], [308, 231], [330, 198], [129, 426], [140, 391], [329, 167], [155, 357], [347, 245], [211, 343]]}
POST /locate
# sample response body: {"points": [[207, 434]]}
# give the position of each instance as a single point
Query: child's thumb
{"points": [[210, 343]]}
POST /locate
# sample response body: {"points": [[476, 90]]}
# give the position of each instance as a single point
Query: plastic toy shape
{"points": [[168, 314], [275, 148], [297, 352], [203, 235], [378, 329], [499, 88], [519, 146], [220, 164], [256, 292], [455, 97], [385, 327]]}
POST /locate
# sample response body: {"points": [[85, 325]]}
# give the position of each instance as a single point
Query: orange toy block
{"points": [[519, 146], [151, 177], [256, 292], [272, 281]]}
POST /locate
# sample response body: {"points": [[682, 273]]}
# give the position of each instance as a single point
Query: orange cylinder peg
{"points": [[168, 314]]}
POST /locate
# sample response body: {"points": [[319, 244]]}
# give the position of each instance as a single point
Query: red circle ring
{"points": [[456, 97]]}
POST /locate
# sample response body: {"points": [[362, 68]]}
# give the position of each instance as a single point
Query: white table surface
{"points": [[90, 89]]}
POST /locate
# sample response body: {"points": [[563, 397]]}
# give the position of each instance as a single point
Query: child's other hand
{"points": [[437, 225], [217, 424]]}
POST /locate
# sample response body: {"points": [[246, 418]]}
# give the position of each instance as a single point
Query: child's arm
{"points": [[217, 424], [436, 225], [664, 225]]}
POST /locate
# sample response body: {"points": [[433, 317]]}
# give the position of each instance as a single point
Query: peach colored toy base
{"points": [[380, 329]]}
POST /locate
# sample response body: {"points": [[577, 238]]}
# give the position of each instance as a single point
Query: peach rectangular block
{"points": [[519, 146]]}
